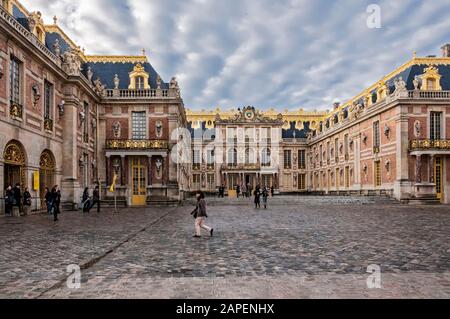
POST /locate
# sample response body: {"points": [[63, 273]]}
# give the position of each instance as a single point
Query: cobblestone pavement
{"points": [[301, 247]]}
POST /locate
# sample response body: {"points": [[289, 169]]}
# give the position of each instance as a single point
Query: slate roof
{"points": [[106, 72]]}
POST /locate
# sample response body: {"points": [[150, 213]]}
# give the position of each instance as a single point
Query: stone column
{"points": [[150, 170], [418, 169], [122, 170], [108, 170], [431, 170], [403, 185]]}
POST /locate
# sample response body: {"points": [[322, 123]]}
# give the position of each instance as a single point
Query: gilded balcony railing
{"points": [[136, 144], [417, 145], [241, 167]]}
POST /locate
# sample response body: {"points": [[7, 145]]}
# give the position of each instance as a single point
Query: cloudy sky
{"points": [[287, 54]]}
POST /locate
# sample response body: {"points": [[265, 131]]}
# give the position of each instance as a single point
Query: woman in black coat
{"points": [[9, 200], [56, 201], [48, 200], [85, 202]]}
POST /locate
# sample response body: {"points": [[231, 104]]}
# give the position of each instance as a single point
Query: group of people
{"points": [[14, 197], [87, 203], [53, 201], [261, 192]]}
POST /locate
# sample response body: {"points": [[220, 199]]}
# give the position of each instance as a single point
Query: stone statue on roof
{"points": [[158, 82], [400, 88], [116, 82], [57, 48], [71, 62], [90, 74]]}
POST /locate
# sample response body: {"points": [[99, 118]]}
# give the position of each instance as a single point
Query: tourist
{"points": [[48, 200], [85, 201], [249, 190], [26, 201], [96, 199], [238, 190], [257, 194], [244, 190], [56, 201], [265, 195], [272, 191], [18, 198], [200, 214], [9, 200]]}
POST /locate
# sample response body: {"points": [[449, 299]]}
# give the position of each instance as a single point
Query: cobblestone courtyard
{"points": [[300, 247]]}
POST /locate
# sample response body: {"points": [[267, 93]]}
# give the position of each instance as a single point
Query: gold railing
{"points": [[135, 144], [241, 167], [416, 145]]}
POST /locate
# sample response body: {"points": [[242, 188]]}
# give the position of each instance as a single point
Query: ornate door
{"points": [[14, 157], [46, 174], [139, 181]]}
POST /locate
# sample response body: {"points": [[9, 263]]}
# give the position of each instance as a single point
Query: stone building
{"points": [[392, 139], [76, 120]]}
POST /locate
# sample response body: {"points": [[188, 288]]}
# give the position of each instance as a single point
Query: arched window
{"points": [[265, 157], [249, 156], [232, 157]]}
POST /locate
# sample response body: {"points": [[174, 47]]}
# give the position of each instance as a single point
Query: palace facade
{"points": [[78, 120], [392, 139]]}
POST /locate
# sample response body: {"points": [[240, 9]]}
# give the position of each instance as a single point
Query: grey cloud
{"points": [[285, 54]]}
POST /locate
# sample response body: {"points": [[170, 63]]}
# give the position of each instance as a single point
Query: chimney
{"points": [[446, 51]]}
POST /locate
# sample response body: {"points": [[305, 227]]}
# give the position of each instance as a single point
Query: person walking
{"points": [[85, 203], [265, 195], [48, 200], [257, 194], [272, 191], [200, 215], [244, 190], [96, 199], [238, 190], [9, 200], [26, 201], [249, 190], [56, 201]]}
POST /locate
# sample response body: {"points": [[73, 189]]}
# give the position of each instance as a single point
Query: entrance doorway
{"points": [[139, 181], [46, 174], [14, 157], [438, 174]]}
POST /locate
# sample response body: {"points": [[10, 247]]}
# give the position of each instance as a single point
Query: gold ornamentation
{"points": [[16, 110], [14, 154], [431, 79], [136, 144], [139, 72], [417, 145], [47, 161], [48, 124], [116, 59]]}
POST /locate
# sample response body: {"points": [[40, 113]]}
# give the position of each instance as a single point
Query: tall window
{"points": [[301, 159], [346, 146], [210, 158], [15, 80], [249, 156], [139, 126], [196, 181], [48, 100], [139, 83], [232, 157], [302, 182], [328, 152], [197, 159], [266, 133], [376, 135], [231, 135], [320, 155], [287, 159], [86, 122], [336, 150], [210, 181], [435, 125], [265, 157]]}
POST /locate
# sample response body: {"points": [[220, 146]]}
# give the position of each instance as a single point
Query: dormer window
{"points": [[431, 79], [139, 78]]}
